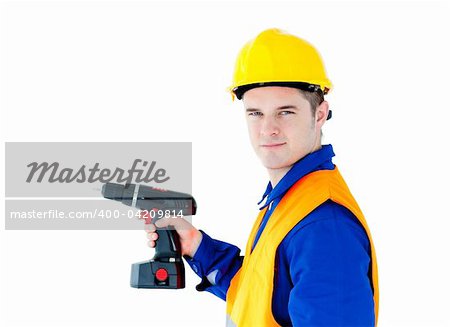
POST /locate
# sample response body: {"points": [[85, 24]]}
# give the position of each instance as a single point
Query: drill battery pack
{"points": [[157, 274]]}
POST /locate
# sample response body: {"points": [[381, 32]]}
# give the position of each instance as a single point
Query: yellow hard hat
{"points": [[277, 58]]}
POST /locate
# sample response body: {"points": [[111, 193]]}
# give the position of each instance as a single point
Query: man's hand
{"points": [[190, 237]]}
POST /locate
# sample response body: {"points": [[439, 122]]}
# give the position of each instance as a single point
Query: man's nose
{"points": [[269, 126]]}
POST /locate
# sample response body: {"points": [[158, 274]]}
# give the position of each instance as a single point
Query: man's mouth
{"points": [[272, 145]]}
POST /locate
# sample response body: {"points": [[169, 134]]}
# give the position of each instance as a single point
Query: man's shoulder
{"points": [[329, 217], [330, 210]]}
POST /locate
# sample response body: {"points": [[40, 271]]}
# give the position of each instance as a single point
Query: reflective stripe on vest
{"points": [[249, 297]]}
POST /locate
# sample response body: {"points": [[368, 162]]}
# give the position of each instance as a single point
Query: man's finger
{"points": [[145, 215], [152, 236], [150, 228], [164, 222]]}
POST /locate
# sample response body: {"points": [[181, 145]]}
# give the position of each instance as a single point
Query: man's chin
{"points": [[273, 165]]}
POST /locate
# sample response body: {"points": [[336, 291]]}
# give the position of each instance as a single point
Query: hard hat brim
{"points": [[240, 90]]}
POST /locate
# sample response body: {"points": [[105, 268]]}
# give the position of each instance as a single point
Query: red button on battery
{"points": [[161, 274]]}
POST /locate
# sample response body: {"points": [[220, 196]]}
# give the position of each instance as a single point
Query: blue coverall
{"points": [[322, 266]]}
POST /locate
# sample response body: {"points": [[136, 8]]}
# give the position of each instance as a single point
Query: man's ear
{"points": [[322, 113]]}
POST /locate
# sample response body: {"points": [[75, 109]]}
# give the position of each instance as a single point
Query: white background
{"points": [[157, 71]]}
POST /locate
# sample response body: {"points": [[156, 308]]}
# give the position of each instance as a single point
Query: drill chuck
{"points": [[113, 191]]}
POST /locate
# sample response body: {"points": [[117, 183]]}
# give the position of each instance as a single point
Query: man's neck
{"points": [[275, 175]]}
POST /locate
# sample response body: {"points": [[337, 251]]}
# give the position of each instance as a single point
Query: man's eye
{"points": [[255, 113], [286, 112]]}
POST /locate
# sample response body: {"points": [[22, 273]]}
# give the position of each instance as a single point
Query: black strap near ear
{"points": [[329, 114]]}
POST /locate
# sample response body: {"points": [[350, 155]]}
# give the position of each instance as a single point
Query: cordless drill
{"points": [[166, 268]]}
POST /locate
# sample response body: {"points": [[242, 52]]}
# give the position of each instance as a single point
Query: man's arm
{"points": [[329, 260], [216, 262]]}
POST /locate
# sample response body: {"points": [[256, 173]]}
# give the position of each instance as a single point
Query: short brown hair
{"points": [[314, 99]]}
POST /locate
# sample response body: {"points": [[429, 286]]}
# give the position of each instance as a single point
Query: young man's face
{"points": [[281, 125]]}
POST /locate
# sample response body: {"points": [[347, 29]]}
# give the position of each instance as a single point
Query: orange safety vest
{"points": [[249, 297]]}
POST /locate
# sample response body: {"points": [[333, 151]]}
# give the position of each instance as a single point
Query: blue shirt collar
{"points": [[320, 159]]}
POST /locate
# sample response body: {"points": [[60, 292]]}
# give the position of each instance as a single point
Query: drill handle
{"points": [[168, 247]]}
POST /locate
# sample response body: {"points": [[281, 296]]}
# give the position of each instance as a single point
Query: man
{"points": [[309, 260]]}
